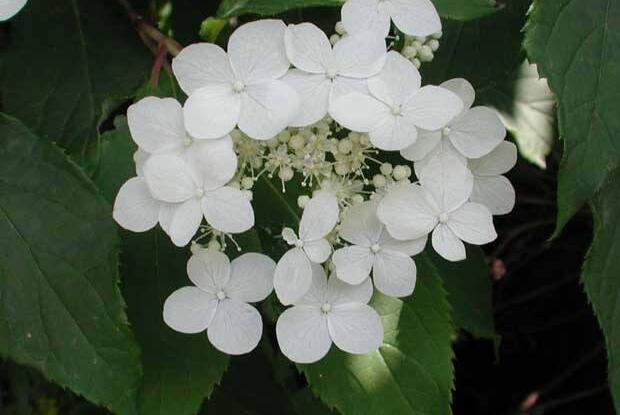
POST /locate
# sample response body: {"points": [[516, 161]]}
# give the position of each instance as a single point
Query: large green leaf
{"points": [[526, 106], [576, 47], [68, 63], [600, 274], [60, 307], [468, 284], [411, 373], [180, 370], [453, 9]]}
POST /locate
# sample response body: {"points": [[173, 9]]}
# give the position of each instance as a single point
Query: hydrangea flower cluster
{"points": [[289, 102]]}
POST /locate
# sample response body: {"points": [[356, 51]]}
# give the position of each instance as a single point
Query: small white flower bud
{"points": [[302, 200], [357, 199], [426, 54], [345, 146], [401, 173], [248, 194], [247, 183], [284, 136], [214, 245], [416, 44], [421, 39], [333, 39], [409, 52], [273, 143], [437, 35], [417, 63], [386, 169], [341, 168], [433, 44], [340, 28], [364, 140], [286, 173], [379, 181], [235, 184], [297, 142]]}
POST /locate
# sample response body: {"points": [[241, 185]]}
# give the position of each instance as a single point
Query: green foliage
{"points": [[453, 9], [67, 65], [60, 307], [411, 373], [600, 274], [468, 284], [575, 46]]}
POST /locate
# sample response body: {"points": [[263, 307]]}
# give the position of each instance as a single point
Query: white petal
{"points": [[473, 223], [251, 278], [409, 248], [358, 112], [447, 244], [355, 328], [341, 293], [267, 108], [302, 334], [209, 270], [317, 293], [360, 225], [319, 217], [496, 193], [398, 80], [212, 111], [293, 276], [308, 48], [444, 148], [477, 132], [360, 55], [318, 251], [189, 310], [140, 157], [236, 327], [135, 208], [156, 124], [449, 180], [463, 89], [394, 273], [353, 263], [407, 213], [170, 178], [9, 8], [427, 141], [314, 91], [432, 107], [166, 213], [499, 161], [185, 222], [341, 86], [202, 64], [395, 133], [257, 51], [228, 210], [214, 161], [365, 15], [415, 17]]}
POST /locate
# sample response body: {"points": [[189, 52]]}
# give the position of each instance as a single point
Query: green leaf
{"points": [[526, 106], [180, 370], [600, 274], [60, 307], [453, 9], [575, 45], [211, 27], [468, 284], [411, 373], [67, 65]]}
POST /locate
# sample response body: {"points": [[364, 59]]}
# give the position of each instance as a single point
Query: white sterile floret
{"points": [[197, 185], [219, 300], [9, 8], [412, 17], [438, 205], [331, 311], [393, 269], [491, 188], [240, 87], [293, 275], [471, 134], [396, 106], [324, 74]]}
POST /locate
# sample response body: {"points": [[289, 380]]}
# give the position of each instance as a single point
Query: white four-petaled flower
{"points": [[219, 300], [293, 275], [396, 106], [323, 74], [331, 311], [438, 205], [393, 269], [413, 17], [491, 188], [241, 87]]}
